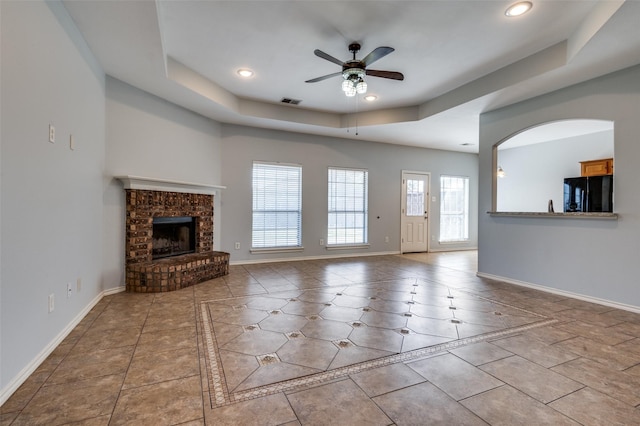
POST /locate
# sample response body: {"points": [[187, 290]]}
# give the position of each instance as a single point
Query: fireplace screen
{"points": [[173, 236]]}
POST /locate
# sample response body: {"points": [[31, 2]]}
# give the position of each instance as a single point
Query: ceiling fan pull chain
{"points": [[356, 115]]}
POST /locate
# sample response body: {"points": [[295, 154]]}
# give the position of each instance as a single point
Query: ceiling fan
{"points": [[354, 70]]}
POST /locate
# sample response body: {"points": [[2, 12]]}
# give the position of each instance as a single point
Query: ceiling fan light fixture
{"points": [[353, 74], [354, 81], [518, 9], [361, 87], [351, 90]]}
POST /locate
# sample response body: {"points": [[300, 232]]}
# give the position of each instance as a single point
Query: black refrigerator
{"points": [[588, 194]]}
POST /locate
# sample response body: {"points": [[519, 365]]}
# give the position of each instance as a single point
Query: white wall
{"points": [[148, 136], [242, 145], [535, 173], [51, 196], [594, 258], [62, 213]]}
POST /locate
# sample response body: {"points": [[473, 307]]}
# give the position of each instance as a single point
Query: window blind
{"points": [[348, 207], [277, 206]]}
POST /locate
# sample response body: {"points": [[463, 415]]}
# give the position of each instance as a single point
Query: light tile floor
{"points": [[413, 339]]}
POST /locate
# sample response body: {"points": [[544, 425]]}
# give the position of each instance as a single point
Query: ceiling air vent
{"points": [[290, 101]]}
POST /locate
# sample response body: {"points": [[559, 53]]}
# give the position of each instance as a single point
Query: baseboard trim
{"points": [[24, 374], [443, 250], [114, 290], [610, 303], [299, 258]]}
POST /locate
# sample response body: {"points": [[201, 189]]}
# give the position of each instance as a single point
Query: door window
{"points": [[415, 197]]}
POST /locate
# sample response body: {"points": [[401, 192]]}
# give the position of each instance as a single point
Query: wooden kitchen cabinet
{"points": [[596, 167]]}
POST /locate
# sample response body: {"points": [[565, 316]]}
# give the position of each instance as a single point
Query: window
{"points": [[415, 197], [348, 207], [454, 209], [277, 206]]}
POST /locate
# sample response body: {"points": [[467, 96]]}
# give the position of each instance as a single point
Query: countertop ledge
{"points": [[601, 216]]}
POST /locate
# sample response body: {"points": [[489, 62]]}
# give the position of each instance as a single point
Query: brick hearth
{"points": [[145, 275]]}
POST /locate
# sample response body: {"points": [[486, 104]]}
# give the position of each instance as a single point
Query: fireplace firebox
{"points": [[173, 236]]}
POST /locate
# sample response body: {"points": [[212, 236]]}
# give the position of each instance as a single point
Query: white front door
{"points": [[415, 212]]}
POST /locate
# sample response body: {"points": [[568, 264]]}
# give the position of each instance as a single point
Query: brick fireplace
{"points": [[164, 201]]}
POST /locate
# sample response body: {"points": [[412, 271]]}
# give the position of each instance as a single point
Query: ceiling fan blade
{"points": [[319, 53], [324, 77], [377, 53], [386, 74]]}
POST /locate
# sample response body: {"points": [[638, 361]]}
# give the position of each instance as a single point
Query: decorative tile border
{"points": [[319, 378], [217, 384], [221, 396]]}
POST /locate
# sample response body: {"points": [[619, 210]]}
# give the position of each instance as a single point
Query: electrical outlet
{"points": [[433, 238], [51, 302], [52, 133], [79, 285], [321, 241], [69, 290], [72, 143], [237, 246], [386, 239]]}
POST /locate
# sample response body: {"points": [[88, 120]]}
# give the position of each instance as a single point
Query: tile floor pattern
{"points": [[332, 342]]}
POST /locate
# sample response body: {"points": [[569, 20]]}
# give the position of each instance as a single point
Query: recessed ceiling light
{"points": [[244, 72], [370, 98], [518, 9]]}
